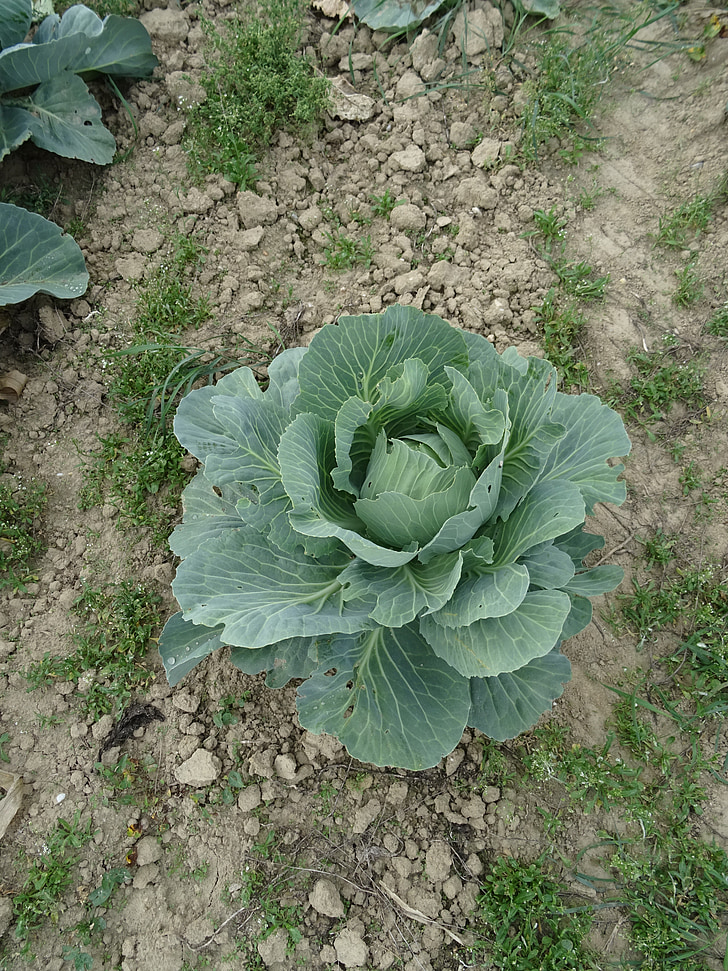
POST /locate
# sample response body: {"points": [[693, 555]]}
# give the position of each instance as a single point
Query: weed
{"points": [[495, 768], [49, 877], [4, 739], [561, 325], [661, 381], [21, 542], [689, 286], [111, 647], [256, 83], [678, 228], [689, 479], [342, 252], [384, 204], [228, 707], [528, 922], [659, 550], [564, 92], [717, 325]]}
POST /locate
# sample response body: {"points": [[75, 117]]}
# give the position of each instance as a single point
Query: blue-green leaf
{"points": [[66, 119], [499, 644], [287, 659], [549, 510], [36, 257], [283, 385], [594, 434], [15, 128], [261, 594], [349, 359], [182, 645], [509, 704], [579, 617], [592, 583], [121, 47], [494, 594], [307, 454], [208, 511], [195, 424], [394, 14], [25, 65], [548, 568], [578, 544], [388, 698], [403, 592], [475, 424], [15, 20]]}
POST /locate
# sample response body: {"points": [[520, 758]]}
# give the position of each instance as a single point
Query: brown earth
{"points": [[373, 845]]}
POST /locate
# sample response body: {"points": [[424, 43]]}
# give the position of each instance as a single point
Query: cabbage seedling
{"points": [[397, 520]]}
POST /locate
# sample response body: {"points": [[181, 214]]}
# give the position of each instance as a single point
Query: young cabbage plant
{"points": [[397, 520]]}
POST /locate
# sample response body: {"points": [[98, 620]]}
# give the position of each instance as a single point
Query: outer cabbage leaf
{"points": [[505, 706], [15, 20], [394, 14], [37, 257], [208, 512], [501, 644], [292, 658], [388, 698], [182, 645], [262, 595]]}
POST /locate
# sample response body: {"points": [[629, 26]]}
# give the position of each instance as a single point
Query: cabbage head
{"points": [[397, 520]]}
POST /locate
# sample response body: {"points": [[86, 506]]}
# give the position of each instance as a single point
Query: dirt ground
{"points": [[389, 860]]}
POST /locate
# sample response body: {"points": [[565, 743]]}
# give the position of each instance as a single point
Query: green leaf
{"points": [[195, 424], [496, 645], [394, 14], [66, 119], [548, 568], [262, 595], [291, 658], [578, 544], [592, 583], [475, 424], [349, 359], [15, 20], [26, 65], [534, 429], [509, 704], [15, 128], [208, 511], [579, 617], [403, 592], [594, 434], [182, 645], [549, 510], [549, 8], [388, 698], [36, 257], [122, 48], [307, 453], [283, 386], [494, 594]]}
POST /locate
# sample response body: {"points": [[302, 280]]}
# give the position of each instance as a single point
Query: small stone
{"points": [[486, 153], [250, 798], [148, 850], [325, 899], [407, 218], [185, 700], [411, 159], [102, 727], [274, 948], [147, 240], [202, 768], [351, 950], [462, 134], [171, 26], [256, 210], [285, 766], [6, 914], [438, 862], [366, 815]]}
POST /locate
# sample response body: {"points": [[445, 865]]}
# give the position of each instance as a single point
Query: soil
{"points": [[386, 862]]}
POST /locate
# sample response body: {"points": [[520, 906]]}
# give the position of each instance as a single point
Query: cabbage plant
{"points": [[398, 521]]}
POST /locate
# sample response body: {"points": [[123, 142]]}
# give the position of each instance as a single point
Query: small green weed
{"points": [[662, 380], [4, 739], [576, 278], [21, 541], [384, 204], [342, 252], [560, 325], [227, 711], [659, 550], [717, 324], [256, 84], [690, 287], [50, 876], [562, 95], [684, 224], [112, 645], [528, 921]]}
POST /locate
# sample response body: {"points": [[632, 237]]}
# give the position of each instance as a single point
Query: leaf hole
{"points": [[330, 673], [349, 711], [349, 685], [217, 490]]}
